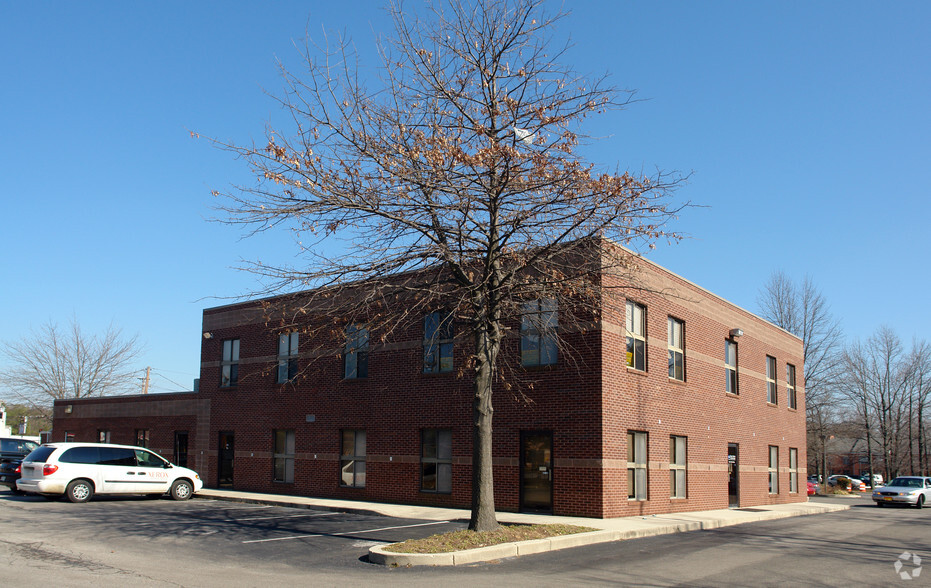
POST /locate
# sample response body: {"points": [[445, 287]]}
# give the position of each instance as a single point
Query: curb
{"points": [[379, 554]]}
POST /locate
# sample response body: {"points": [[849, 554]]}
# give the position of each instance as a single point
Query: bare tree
{"points": [[54, 363], [919, 400], [458, 174], [802, 310]]}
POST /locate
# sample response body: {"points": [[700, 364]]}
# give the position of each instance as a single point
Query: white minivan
{"points": [[80, 470]]}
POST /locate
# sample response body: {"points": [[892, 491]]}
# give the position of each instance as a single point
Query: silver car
{"points": [[910, 490]]}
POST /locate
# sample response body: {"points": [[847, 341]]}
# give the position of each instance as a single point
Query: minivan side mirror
{"points": [[167, 465]]}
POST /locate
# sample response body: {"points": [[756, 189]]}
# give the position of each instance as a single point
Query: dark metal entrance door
{"points": [[536, 479], [733, 494], [225, 460]]}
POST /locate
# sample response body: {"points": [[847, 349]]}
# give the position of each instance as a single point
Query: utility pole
{"points": [[145, 383]]}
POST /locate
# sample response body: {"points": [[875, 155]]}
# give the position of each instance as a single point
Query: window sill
{"points": [[636, 372], [677, 382], [539, 367], [732, 395], [436, 492], [772, 405]]}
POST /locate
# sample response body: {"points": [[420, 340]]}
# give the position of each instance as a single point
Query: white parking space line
{"points": [[318, 514], [345, 532]]}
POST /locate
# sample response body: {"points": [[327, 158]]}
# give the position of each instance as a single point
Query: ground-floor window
{"points": [[436, 461], [283, 457], [103, 436], [793, 470], [677, 467], [773, 469], [69, 436], [142, 437], [180, 454], [636, 465], [352, 458]]}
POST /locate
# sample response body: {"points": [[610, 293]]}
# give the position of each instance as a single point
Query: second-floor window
{"points": [[229, 365], [730, 367], [287, 357], [771, 395], [356, 353], [676, 329], [636, 336], [790, 385], [437, 343], [538, 333]]}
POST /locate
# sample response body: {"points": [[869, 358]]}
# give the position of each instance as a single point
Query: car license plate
{"points": [[889, 498]]}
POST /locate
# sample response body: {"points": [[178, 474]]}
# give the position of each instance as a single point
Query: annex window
{"points": [[437, 343], [352, 458], [773, 469], [142, 437], [103, 436], [771, 394], [283, 457], [636, 336], [793, 470], [730, 367], [538, 333], [677, 466], [676, 331], [436, 461], [229, 365], [287, 357], [790, 385], [356, 352], [180, 453], [636, 465]]}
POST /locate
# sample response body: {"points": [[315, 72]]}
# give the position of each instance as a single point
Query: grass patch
{"points": [[461, 540]]}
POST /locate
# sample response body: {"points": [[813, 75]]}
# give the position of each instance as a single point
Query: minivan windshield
{"points": [[39, 454]]}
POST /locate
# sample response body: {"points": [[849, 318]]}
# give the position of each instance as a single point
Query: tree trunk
{"points": [[483, 486]]}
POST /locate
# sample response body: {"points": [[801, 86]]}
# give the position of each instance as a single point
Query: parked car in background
{"points": [[80, 470], [877, 480], [12, 452], [909, 490], [813, 488]]}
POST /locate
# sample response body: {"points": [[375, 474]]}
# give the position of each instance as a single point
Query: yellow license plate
{"points": [[888, 498]]}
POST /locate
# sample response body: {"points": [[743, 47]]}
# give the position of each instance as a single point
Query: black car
{"points": [[12, 452]]}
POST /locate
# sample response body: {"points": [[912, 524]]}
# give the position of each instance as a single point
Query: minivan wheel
{"points": [[79, 491], [181, 490]]}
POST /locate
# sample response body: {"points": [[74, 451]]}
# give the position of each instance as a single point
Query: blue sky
{"points": [[805, 126]]}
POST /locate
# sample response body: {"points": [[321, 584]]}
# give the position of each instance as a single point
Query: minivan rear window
{"points": [[40, 454]]}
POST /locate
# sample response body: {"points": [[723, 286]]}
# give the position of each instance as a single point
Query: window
{"points": [[793, 470], [283, 457], [771, 396], [287, 357], [352, 459], [676, 331], [180, 453], [437, 343], [142, 437], [356, 356], [773, 469], [730, 367], [790, 385], [103, 436], [636, 336], [636, 465], [677, 467], [229, 366], [436, 461], [69, 436], [538, 326]]}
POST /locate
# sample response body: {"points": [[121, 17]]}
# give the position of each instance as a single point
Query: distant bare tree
{"points": [[54, 363], [458, 170], [802, 310], [919, 400]]}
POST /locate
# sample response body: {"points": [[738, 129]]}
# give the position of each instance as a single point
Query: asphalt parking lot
{"points": [[225, 529]]}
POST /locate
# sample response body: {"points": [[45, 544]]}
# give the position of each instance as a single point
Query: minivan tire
{"points": [[79, 491], [181, 490]]}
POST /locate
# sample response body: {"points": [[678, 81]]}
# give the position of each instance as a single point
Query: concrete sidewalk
{"points": [[615, 529]]}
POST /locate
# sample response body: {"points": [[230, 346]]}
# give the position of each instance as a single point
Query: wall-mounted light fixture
{"points": [[208, 335], [736, 332]]}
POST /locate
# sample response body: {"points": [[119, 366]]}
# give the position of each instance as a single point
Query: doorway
{"points": [[536, 478], [225, 460], [733, 487]]}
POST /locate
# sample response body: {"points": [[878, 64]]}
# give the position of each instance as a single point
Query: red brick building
{"points": [[682, 402]]}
